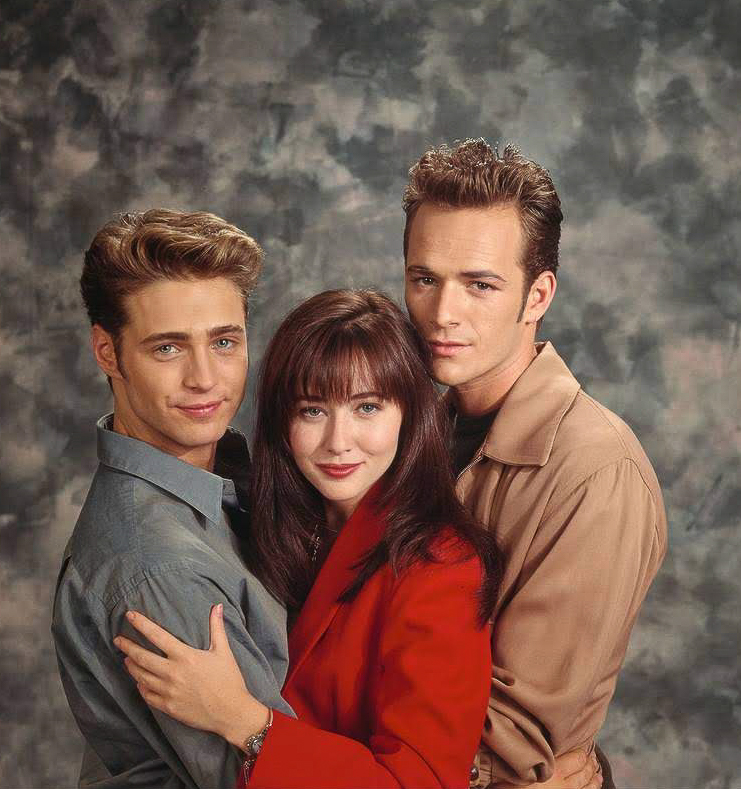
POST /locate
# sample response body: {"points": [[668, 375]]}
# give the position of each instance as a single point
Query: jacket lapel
{"points": [[359, 534]]}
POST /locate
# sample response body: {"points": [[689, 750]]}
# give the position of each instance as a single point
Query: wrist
{"points": [[247, 717], [253, 747]]}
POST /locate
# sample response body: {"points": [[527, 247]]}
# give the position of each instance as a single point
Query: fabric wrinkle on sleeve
{"points": [[586, 573], [116, 723]]}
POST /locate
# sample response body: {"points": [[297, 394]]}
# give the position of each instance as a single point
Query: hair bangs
{"points": [[344, 361]]}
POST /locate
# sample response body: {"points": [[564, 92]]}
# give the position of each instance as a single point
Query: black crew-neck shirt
{"points": [[469, 433]]}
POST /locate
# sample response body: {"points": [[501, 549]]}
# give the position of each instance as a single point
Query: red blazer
{"points": [[391, 689]]}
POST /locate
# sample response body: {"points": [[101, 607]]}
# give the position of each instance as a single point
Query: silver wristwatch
{"points": [[253, 745]]}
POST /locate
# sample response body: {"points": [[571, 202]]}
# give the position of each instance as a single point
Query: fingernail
{"points": [[130, 615], [220, 610], [116, 641]]}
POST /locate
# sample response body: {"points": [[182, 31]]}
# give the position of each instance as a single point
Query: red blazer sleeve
{"points": [[430, 700]]}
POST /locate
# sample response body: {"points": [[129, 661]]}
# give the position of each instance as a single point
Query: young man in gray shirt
{"points": [[166, 293]]}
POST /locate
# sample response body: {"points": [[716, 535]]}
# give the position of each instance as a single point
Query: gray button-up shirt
{"points": [[154, 535]]}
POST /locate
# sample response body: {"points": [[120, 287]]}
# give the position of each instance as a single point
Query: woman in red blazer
{"points": [[357, 529]]}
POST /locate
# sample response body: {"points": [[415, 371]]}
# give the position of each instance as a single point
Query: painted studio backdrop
{"points": [[297, 121]]}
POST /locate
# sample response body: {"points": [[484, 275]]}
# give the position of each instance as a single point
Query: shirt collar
{"points": [[197, 487], [525, 427]]}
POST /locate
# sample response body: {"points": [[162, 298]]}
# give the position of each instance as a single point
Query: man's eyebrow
{"points": [[420, 269], [166, 335], [481, 274], [230, 328], [181, 336]]}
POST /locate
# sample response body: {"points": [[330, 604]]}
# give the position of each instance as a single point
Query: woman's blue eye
{"points": [[311, 411]]}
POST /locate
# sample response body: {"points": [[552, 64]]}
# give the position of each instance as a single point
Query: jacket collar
{"points": [[362, 531], [198, 488], [523, 431]]}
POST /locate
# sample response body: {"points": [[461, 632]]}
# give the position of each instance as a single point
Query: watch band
{"points": [[253, 745]]}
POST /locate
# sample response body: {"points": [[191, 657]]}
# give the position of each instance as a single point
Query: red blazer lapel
{"points": [[360, 533]]}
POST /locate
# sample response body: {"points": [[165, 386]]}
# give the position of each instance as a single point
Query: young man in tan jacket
{"points": [[562, 481]]}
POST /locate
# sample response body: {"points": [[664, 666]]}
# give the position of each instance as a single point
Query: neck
{"points": [[337, 514], [475, 398], [200, 456]]}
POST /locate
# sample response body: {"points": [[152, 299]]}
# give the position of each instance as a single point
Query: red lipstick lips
{"points": [[338, 470]]}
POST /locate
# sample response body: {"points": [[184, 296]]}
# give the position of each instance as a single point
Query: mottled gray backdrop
{"points": [[298, 121]]}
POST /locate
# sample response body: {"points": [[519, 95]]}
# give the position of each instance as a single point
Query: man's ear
{"points": [[540, 297], [104, 351]]}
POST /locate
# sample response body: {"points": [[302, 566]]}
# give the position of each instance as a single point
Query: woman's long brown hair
{"points": [[323, 347]]}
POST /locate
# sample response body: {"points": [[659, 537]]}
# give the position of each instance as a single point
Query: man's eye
{"points": [[166, 350], [425, 280], [482, 285], [224, 343]]}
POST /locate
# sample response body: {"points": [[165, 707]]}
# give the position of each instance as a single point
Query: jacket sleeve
{"points": [[430, 698], [560, 639]]}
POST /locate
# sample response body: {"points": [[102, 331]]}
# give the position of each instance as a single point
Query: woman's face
{"points": [[343, 448]]}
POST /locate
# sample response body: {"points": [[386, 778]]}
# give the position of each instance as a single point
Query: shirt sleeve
{"points": [[560, 640], [127, 736], [429, 703], [209, 760]]}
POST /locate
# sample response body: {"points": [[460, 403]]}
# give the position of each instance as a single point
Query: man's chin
{"points": [[194, 436], [445, 376]]}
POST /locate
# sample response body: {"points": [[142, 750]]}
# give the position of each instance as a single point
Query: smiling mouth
{"points": [[445, 349], [338, 470], [201, 410]]}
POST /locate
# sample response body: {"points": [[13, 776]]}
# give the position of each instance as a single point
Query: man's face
{"points": [[464, 289], [182, 365]]}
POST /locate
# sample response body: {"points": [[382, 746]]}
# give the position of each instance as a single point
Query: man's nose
{"points": [[200, 373], [445, 307]]}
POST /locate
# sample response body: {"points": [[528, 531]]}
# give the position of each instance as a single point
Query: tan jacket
{"points": [[577, 509]]}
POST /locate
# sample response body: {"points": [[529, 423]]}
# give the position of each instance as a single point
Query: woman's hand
{"points": [[202, 688]]}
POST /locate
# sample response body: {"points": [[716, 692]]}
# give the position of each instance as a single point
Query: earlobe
{"points": [[104, 351]]}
